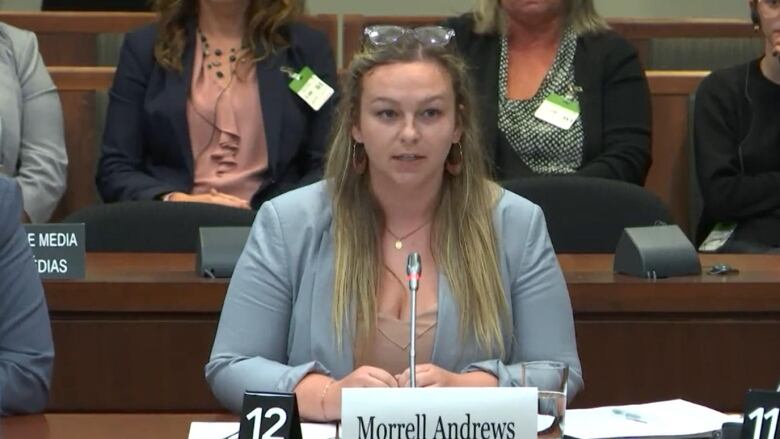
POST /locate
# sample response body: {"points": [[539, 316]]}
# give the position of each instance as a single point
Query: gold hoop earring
{"points": [[454, 163], [359, 159]]}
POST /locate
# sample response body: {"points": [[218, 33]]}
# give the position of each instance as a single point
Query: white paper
{"points": [[222, 430], [675, 418]]}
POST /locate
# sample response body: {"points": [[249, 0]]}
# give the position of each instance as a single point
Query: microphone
{"points": [[413, 273]]}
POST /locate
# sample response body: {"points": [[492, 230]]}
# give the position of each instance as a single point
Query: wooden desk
{"points": [[142, 326], [102, 426]]}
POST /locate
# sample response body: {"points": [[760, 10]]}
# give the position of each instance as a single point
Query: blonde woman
{"points": [[318, 303], [523, 53], [200, 109]]}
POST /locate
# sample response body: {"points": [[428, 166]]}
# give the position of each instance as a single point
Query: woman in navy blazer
{"points": [[146, 149]]}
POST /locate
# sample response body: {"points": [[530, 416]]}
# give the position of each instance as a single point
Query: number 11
{"points": [[759, 416]]}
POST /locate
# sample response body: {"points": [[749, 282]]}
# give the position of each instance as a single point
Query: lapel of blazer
{"points": [[323, 346], [178, 87], [446, 342], [584, 66], [272, 83]]}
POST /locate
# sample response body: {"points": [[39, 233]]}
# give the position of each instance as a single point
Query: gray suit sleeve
{"points": [[26, 348], [250, 347], [43, 159], [542, 318]]}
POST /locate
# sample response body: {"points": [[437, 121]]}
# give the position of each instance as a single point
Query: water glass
{"points": [[550, 378]]}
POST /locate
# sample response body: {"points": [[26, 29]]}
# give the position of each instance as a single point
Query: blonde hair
{"points": [[463, 234], [265, 20], [581, 15]]}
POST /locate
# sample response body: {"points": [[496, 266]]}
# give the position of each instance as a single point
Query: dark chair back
{"points": [[153, 226], [588, 215]]}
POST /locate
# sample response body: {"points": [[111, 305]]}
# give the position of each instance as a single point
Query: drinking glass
{"points": [[550, 378]]}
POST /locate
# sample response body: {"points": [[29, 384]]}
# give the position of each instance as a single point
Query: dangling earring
{"points": [[754, 17], [359, 158], [454, 164]]}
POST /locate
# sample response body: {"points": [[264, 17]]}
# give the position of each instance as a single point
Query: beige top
{"points": [[389, 348], [226, 128]]}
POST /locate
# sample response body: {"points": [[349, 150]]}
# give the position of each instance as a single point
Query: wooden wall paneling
{"points": [[328, 24], [69, 38], [67, 49], [63, 22], [709, 361], [77, 88], [669, 175], [80, 140], [132, 362]]}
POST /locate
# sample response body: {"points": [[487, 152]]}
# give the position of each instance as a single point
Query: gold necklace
{"points": [[399, 239]]}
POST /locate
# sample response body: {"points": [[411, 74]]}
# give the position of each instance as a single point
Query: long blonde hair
{"points": [[265, 20], [581, 15], [464, 240]]}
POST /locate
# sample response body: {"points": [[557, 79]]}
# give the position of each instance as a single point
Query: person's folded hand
{"points": [[213, 197], [429, 375]]}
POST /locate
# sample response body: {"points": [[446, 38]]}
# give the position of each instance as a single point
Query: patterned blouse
{"points": [[543, 147]]}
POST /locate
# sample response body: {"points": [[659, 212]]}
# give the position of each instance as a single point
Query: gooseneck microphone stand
{"points": [[413, 272]]}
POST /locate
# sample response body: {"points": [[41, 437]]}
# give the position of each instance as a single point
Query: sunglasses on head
{"points": [[430, 36]]}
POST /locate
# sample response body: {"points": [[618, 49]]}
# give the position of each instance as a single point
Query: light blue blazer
{"points": [[32, 139], [275, 325], [26, 347]]}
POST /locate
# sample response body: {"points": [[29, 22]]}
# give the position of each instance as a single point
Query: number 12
{"points": [[257, 413]]}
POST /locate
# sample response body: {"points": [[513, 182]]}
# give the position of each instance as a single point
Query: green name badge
{"points": [[313, 90], [59, 250], [558, 111]]}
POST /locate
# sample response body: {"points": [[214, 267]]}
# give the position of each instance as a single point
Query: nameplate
{"points": [[762, 415], [269, 415], [439, 413], [59, 249]]}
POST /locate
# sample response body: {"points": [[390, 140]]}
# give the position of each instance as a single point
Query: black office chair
{"points": [[588, 215], [153, 226]]}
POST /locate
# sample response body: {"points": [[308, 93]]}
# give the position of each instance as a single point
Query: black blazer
{"points": [[146, 148], [614, 104]]}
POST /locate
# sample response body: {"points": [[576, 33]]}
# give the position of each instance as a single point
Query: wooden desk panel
{"points": [[142, 326], [95, 426]]}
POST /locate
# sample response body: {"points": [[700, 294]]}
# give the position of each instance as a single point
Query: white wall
{"points": [[613, 8], [22, 5]]}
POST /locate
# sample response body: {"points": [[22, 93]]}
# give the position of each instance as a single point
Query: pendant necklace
{"points": [[399, 239]]}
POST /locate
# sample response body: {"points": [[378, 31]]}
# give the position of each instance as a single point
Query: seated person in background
{"points": [[200, 109], [32, 141], [521, 53], [26, 349], [405, 173], [737, 145]]}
